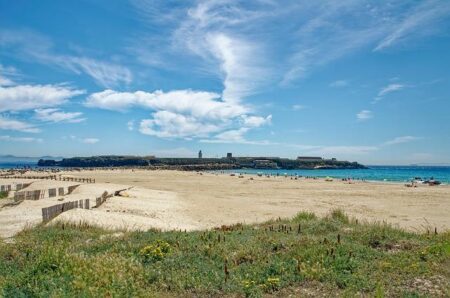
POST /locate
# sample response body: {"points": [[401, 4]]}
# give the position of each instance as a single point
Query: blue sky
{"points": [[364, 81]]}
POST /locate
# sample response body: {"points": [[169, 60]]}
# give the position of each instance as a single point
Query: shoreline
{"points": [[251, 171]]}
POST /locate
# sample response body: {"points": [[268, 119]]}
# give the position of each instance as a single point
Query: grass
{"points": [[306, 255], [3, 194]]}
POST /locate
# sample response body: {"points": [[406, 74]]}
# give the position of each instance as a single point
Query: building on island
{"points": [[264, 164], [229, 155], [309, 158]]}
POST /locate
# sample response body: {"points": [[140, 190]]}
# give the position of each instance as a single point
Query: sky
{"points": [[365, 81]]}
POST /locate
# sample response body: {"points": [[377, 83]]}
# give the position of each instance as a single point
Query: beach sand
{"points": [[187, 200]]}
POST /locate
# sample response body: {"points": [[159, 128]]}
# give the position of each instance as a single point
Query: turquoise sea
{"points": [[376, 173]]}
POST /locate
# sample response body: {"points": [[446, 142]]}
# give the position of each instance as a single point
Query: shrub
{"points": [[156, 251], [339, 215], [304, 216]]}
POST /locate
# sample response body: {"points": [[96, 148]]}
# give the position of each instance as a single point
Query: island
{"points": [[225, 163]]}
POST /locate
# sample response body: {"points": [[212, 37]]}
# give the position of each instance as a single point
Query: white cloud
{"points": [[181, 113], [56, 115], [208, 31], [16, 125], [20, 139], [401, 140], [339, 83], [364, 115], [27, 97], [298, 107], [256, 121], [4, 81], [238, 62], [165, 124], [90, 140], [196, 103]]}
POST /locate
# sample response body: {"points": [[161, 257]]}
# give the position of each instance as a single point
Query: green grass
{"points": [[3, 194], [334, 256]]}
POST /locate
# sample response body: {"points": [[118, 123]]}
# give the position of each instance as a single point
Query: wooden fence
{"points": [[29, 195], [5, 187], [51, 212], [53, 177], [71, 189], [99, 201], [15, 187], [40, 194]]}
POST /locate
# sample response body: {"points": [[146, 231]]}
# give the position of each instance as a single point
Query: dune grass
{"points": [[3, 194], [301, 256]]}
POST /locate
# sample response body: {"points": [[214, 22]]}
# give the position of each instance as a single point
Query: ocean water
{"points": [[373, 173], [12, 165]]}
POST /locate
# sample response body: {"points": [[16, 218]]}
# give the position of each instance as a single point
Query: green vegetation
{"points": [[3, 194], [302, 256]]}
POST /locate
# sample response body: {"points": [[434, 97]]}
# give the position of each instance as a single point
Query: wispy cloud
{"points": [[20, 139], [90, 140], [7, 75], [339, 84], [130, 125], [332, 151], [17, 125], [364, 115], [298, 107], [56, 115], [388, 89], [401, 140], [329, 30], [419, 21], [30, 45]]}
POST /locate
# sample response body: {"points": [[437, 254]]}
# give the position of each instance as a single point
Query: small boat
{"points": [[328, 179], [433, 182]]}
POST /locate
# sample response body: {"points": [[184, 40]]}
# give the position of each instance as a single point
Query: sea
{"points": [[373, 173]]}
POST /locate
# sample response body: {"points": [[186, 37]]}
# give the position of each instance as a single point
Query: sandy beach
{"points": [[188, 200]]}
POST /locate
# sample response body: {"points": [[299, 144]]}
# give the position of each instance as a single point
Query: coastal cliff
{"points": [[200, 163]]}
